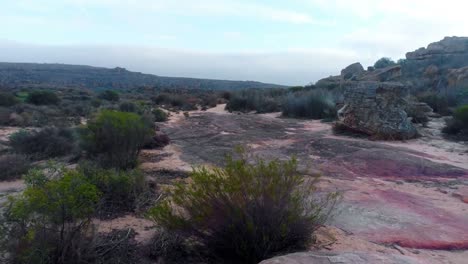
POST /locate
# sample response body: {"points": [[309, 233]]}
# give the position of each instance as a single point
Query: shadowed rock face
{"points": [[377, 109]]}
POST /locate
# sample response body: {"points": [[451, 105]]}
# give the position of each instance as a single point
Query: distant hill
{"points": [[65, 75]]}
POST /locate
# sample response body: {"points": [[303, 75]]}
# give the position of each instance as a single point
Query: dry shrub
{"points": [[246, 212]]}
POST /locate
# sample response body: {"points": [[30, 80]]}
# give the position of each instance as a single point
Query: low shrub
{"points": [[116, 138], [169, 247], [42, 98], [314, 104], [441, 104], [261, 101], [5, 114], [109, 95], [458, 124], [159, 140], [13, 166], [49, 142], [50, 222], [246, 212], [128, 107], [159, 115], [121, 191], [8, 99]]}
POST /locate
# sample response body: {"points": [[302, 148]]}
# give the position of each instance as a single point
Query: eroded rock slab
{"points": [[345, 257], [400, 193]]}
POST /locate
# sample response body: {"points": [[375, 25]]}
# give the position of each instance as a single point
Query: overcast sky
{"points": [[292, 42]]}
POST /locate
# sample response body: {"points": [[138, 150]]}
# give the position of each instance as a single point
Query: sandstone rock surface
{"points": [[346, 258]]}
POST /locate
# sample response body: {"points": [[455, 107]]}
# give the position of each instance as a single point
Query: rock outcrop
{"points": [[376, 109], [352, 72], [440, 66]]}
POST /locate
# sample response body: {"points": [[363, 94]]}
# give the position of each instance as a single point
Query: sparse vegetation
{"points": [[7, 99], [109, 95], [13, 166], [261, 101], [42, 98], [314, 104], [246, 212], [49, 142], [458, 124]]}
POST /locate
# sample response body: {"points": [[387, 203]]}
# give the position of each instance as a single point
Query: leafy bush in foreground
{"points": [[314, 104], [49, 142], [50, 222], [246, 212], [116, 138], [13, 166]]}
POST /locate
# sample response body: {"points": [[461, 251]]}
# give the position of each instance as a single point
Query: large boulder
{"points": [[391, 73], [376, 109], [353, 71], [329, 83]]}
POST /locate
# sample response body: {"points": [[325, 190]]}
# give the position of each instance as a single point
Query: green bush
{"points": [[246, 212], [116, 138], [122, 191], [42, 98], [13, 166], [458, 125], [314, 104], [383, 63], [159, 115], [109, 95], [8, 99], [50, 222], [49, 142]]}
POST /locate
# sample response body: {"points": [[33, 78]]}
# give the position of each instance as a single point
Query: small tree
{"points": [[246, 212], [116, 138]]}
